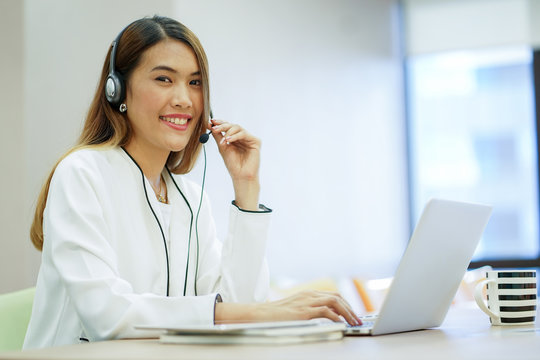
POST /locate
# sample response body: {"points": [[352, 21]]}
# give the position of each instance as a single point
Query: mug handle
{"points": [[480, 301]]}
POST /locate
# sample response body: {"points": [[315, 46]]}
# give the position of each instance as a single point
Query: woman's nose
{"points": [[182, 97]]}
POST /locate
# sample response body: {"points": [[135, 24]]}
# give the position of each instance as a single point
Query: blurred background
{"points": [[366, 109]]}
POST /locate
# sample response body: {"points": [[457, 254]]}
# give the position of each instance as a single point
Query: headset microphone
{"points": [[203, 139]]}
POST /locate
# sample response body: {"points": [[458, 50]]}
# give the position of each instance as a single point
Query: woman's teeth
{"points": [[177, 121]]}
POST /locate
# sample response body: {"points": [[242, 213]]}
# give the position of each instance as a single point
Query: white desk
{"points": [[465, 334]]}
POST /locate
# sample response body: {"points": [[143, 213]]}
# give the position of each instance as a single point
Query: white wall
{"points": [[14, 262], [534, 22], [445, 25], [318, 81]]}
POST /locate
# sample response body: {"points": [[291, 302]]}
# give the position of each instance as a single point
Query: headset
{"points": [[115, 93], [115, 90]]}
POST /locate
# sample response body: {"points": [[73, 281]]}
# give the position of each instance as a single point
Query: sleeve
{"points": [[78, 245], [237, 268]]}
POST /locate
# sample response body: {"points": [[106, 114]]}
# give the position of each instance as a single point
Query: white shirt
{"points": [[104, 264], [166, 212]]}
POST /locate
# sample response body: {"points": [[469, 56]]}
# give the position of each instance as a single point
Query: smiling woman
{"points": [[115, 220]]}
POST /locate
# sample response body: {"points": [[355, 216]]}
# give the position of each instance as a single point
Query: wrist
{"points": [[234, 313], [247, 194]]}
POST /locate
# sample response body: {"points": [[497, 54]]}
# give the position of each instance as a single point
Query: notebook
{"points": [[258, 333], [431, 268]]}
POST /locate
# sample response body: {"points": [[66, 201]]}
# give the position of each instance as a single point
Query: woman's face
{"points": [[164, 97]]}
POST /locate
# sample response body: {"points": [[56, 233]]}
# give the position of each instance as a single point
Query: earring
{"points": [[123, 108]]}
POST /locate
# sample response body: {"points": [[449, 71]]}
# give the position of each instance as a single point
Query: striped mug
{"points": [[511, 296]]}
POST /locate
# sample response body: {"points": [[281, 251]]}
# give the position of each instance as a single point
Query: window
{"points": [[473, 137]]}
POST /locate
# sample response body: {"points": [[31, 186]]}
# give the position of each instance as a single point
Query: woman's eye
{"points": [[195, 82], [163, 78]]}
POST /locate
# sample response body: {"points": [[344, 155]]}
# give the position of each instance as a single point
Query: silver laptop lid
{"points": [[432, 266]]}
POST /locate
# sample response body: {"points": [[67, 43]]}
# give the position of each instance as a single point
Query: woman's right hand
{"points": [[302, 306]]}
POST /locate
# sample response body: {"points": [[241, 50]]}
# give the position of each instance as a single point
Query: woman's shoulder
{"points": [[89, 156], [89, 160]]}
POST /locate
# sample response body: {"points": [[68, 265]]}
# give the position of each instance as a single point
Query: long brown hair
{"points": [[105, 126]]}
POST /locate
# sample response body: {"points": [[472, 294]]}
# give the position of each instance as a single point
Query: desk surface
{"points": [[465, 334]]}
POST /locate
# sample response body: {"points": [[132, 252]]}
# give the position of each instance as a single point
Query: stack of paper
{"points": [[281, 332]]}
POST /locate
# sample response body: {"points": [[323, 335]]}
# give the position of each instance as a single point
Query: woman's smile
{"points": [[176, 121]]}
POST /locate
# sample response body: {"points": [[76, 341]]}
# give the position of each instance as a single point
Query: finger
{"points": [[231, 136], [348, 314], [340, 306], [234, 132], [221, 125], [356, 320], [216, 132], [216, 125], [222, 129], [324, 312]]}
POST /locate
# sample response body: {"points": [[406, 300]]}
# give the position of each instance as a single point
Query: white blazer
{"points": [[104, 263]]}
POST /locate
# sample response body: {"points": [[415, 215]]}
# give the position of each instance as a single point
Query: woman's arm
{"points": [[302, 306], [241, 153]]}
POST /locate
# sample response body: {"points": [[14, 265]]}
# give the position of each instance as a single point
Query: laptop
{"points": [[431, 268]]}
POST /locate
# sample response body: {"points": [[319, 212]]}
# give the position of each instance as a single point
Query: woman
{"points": [[128, 241]]}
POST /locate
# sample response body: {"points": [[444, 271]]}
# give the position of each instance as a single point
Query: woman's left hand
{"points": [[241, 153]]}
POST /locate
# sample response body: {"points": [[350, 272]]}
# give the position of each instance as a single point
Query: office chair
{"points": [[15, 311]]}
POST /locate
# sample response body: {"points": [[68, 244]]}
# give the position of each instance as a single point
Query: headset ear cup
{"points": [[115, 90]]}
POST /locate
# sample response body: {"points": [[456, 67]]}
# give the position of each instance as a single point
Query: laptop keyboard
{"points": [[367, 322]]}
